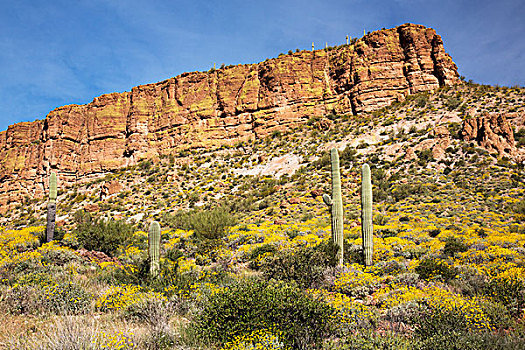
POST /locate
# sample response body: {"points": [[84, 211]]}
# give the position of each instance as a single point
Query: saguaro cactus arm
{"points": [[327, 200]]}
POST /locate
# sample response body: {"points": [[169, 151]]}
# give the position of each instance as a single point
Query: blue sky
{"points": [[59, 52]]}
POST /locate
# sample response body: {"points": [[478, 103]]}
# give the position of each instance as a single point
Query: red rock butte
{"points": [[224, 106]]}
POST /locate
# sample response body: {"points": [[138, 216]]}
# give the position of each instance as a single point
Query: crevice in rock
{"points": [[437, 69], [404, 45]]}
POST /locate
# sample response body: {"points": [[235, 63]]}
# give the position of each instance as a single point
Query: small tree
{"points": [[211, 224], [101, 235]]}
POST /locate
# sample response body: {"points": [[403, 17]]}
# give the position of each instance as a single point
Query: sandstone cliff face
{"points": [[225, 106]]}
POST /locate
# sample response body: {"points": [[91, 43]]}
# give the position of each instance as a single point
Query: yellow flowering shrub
{"points": [[116, 341], [438, 300], [261, 339], [118, 297], [351, 313], [186, 264], [508, 287], [65, 297], [357, 282]]}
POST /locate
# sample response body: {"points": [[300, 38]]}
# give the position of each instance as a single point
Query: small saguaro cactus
{"points": [[366, 215], [335, 203], [154, 248], [51, 207]]}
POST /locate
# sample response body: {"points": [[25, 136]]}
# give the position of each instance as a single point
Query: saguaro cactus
{"points": [[51, 207], [366, 215], [335, 203], [154, 248]]}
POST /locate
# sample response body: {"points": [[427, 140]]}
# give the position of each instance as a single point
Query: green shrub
{"points": [[211, 224], [304, 265], [178, 220], [36, 278], [97, 234], [432, 268], [258, 253], [448, 329], [470, 282], [369, 341], [155, 313], [37, 296], [454, 245], [424, 157], [519, 208], [66, 298], [20, 299], [252, 304], [267, 339], [452, 102], [59, 257], [510, 290]]}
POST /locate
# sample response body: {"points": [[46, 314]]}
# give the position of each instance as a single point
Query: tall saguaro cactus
{"points": [[366, 215], [51, 207], [154, 248], [335, 203]]}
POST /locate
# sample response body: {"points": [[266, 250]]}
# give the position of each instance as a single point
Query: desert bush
{"points": [[40, 278], [155, 311], [259, 339], [206, 224], [38, 292], [454, 245], [457, 339], [251, 305], [353, 253], [408, 279], [433, 268], [118, 297], [447, 330], [424, 157], [304, 265], [259, 254], [66, 298], [508, 287], [390, 267], [57, 255], [356, 283], [368, 340], [178, 220], [452, 102], [470, 282], [519, 208], [463, 318], [97, 234], [68, 333], [20, 300]]}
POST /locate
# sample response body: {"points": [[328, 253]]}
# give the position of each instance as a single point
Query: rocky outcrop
{"points": [[225, 106], [491, 131], [110, 187]]}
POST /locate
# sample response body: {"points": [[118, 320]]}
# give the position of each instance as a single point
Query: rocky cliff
{"points": [[225, 106]]}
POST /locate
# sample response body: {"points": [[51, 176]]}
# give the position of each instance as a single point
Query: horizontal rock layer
{"points": [[225, 106]]}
